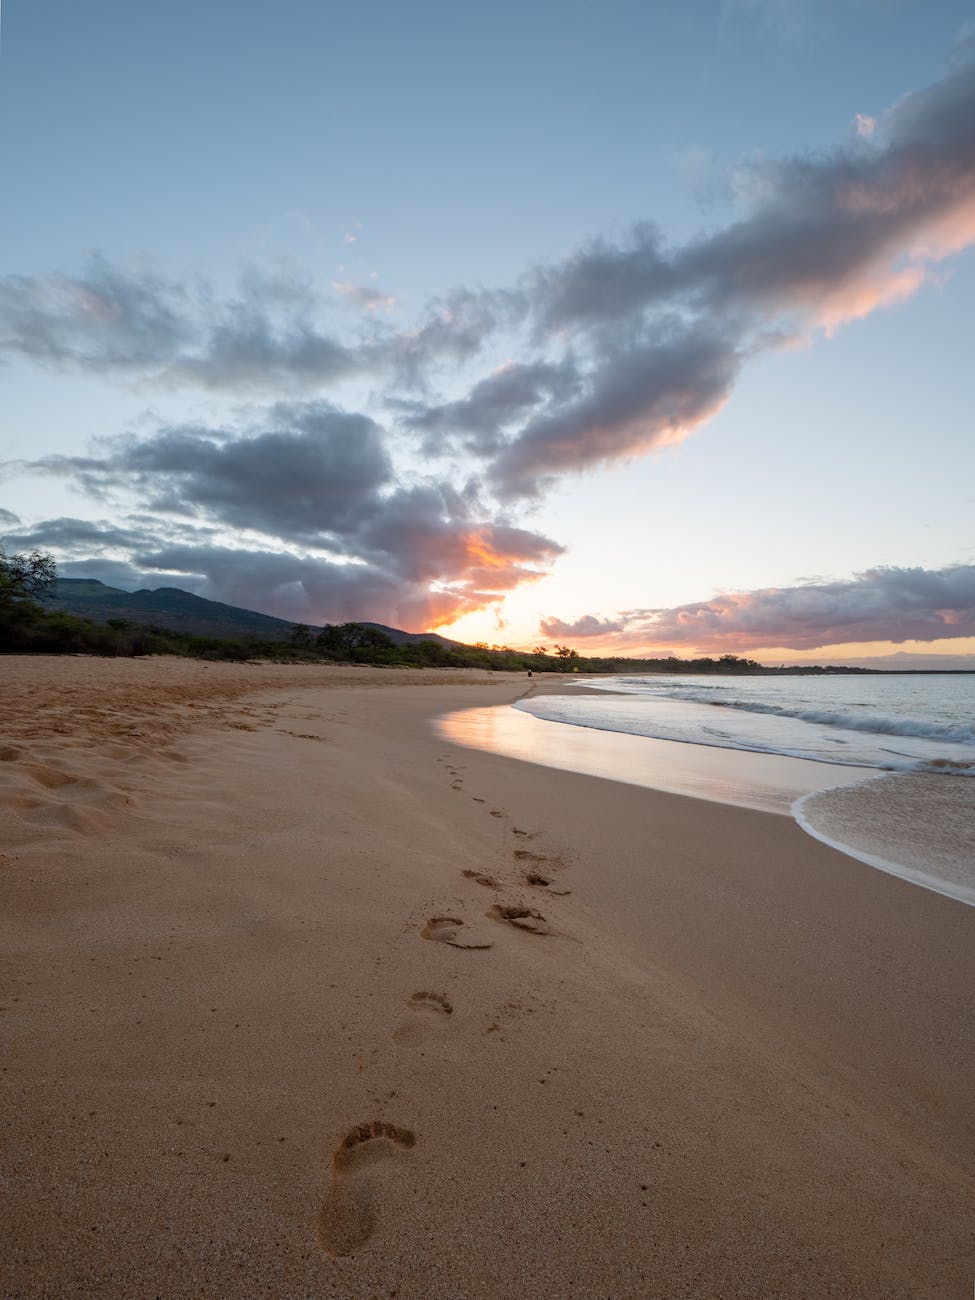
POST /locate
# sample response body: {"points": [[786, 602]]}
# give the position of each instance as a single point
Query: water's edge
{"points": [[779, 785]]}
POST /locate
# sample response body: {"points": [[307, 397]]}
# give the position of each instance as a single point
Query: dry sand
{"points": [[289, 1011]]}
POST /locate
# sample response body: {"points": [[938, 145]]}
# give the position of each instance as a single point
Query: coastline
{"points": [[918, 826], [741, 778], [728, 1061]]}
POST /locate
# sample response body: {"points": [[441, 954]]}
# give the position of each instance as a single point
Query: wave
{"points": [[831, 749], [915, 728]]}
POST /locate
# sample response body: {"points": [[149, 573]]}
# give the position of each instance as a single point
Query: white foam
{"points": [[855, 734]]}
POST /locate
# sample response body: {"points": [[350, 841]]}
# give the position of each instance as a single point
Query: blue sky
{"points": [[461, 315]]}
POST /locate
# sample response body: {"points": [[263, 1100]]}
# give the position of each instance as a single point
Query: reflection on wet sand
{"points": [[768, 782]]}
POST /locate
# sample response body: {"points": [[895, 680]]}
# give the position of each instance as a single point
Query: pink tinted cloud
{"points": [[587, 626], [882, 604]]}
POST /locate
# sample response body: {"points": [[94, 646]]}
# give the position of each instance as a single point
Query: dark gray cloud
{"points": [[310, 478], [603, 282], [305, 477], [69, 534], [641, 398], [299, 587], [251, 352], [477, 422], [881, 604]]}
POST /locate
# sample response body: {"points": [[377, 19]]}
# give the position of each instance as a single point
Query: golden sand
{"points": [[300, 1002]]}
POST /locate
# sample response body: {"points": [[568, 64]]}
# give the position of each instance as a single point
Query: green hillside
{"points": [[181, 611]]}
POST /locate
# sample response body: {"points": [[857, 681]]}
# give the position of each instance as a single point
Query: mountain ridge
{"points": [[183, 611]]}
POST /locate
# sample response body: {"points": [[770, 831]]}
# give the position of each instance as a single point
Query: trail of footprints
{"points": [[370, 1152]]}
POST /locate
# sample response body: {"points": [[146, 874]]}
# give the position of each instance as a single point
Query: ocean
{"points": [[896, 722], [879, 766]]}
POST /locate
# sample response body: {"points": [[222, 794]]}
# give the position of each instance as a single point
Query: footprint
{"points": [[523, 918], [348, 1214], [457, 785], [445, 929], [496, 812], [482, 878], [529, 835], [477, 800], [432, 1010], [435, 1002], [543, 882]]}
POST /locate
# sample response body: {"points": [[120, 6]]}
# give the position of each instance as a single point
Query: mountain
{"points": [[181, 611]]}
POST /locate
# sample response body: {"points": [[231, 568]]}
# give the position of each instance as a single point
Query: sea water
{"points": [[916, 731], [897, 722], [879, 766]]}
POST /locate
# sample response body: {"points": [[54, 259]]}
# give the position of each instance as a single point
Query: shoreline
{"points": [[244, 925], [835, 803], [739, 778]]}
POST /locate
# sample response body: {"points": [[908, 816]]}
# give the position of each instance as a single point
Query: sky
{"points": [[644, 328]]}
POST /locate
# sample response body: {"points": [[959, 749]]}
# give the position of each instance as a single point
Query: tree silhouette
{"points": [[26, 577]]}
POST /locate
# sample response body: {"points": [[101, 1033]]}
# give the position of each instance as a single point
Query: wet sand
{"points": [[302, 1001]]}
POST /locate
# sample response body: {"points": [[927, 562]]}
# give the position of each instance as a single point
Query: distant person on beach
{"points": [[529, 672]]}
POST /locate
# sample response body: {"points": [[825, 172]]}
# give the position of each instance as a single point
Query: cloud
{"points": [[651, 394], [586, 626], [865, 125], [68, 534], [829, 238], [612, 353], [593, 340], [317, 485], [603, 282], [881, 604], [658, 335], [102, 320], [476, 423], [454, 329], [144, 327]]}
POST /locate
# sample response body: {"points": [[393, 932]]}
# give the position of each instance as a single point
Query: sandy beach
{"points": [[300, 1001]]}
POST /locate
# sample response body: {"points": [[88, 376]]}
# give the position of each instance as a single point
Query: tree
{"points": [[540, 650], [26, 577], [564, 653], [349, 638], [300, 635]]}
